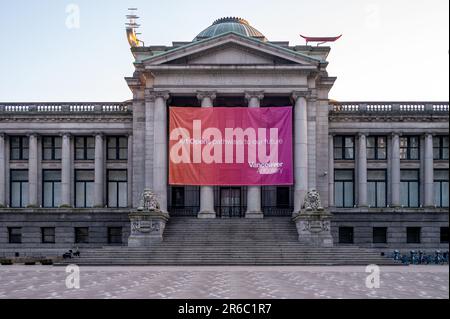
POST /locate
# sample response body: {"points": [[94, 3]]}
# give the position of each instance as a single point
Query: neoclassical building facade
{"points": [[70, 173]]}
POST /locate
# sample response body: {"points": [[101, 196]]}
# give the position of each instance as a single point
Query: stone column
{"points": [[99, 171], [2, 171], [254, 192], [206, 192], [362, 171], [130, 170], [149, 139], [300, 149], [33, 171], [160, 167], [395, 171], [429, 171], [331, 170], [66, 171]]}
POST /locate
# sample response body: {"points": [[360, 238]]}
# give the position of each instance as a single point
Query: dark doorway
{"points": [[230, 203]]}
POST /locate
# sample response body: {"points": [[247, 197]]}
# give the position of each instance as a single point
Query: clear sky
{"points": [[391, 49]]}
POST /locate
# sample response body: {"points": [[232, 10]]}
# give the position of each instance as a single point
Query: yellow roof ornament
{"points": [[131, 27]]}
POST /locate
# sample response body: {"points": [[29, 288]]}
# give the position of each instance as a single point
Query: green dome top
{"points": [[230, 24]]}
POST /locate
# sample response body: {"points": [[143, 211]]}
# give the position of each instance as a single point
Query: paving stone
{"points": [[42, 282]]}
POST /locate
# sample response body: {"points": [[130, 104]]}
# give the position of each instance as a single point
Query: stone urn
{"points": [[314, 222], [148, 222]]}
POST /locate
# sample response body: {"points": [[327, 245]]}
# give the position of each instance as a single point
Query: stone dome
{"points": [[230, 24]]}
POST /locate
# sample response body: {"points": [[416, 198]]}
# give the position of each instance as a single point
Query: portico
{"points": [[244, 70]]}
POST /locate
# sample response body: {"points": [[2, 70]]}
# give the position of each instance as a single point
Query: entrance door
{"points": [[230, 202]]}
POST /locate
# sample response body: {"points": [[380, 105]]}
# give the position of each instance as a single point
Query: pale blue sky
{"points": [[391, 49]]}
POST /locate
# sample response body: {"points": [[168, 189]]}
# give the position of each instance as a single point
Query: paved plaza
{"points": [[224, 282]]}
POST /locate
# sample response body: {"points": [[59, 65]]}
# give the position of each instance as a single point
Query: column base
{"points": [[254, 215], [206, 215]]}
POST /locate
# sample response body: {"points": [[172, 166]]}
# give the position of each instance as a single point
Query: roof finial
{"points": [[132, 26]]}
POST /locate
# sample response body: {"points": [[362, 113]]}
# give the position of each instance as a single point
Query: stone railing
{"points": [[389, 107], [65, 107]]}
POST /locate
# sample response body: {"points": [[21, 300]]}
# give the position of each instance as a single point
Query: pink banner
{"points": [[230, 146]]}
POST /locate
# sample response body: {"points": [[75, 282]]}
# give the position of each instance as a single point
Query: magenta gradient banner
{"points": [[230, 146]]}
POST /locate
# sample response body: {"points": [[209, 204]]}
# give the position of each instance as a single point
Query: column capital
{"points": [[2, 135], [394, 134], [361, 134], [254, 94], [298, 94], [65, 134], [206, 94], [32, 134], [99, 134], [313, 96], [151, 95]]}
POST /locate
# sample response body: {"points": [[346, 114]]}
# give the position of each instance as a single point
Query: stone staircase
{"points": [[227, 242]]}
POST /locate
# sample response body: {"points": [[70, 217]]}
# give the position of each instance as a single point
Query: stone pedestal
{"points": [[314, 222], [314, 228], [147, 228], [148, 222]]}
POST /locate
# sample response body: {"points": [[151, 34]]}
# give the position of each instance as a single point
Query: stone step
{"points": [[219, 242]]}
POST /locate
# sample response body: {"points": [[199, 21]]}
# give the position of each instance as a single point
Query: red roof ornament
{"points": [[320, 40]]}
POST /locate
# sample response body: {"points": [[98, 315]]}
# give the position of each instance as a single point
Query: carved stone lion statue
{"points": [[312, 201], [149, 201]]}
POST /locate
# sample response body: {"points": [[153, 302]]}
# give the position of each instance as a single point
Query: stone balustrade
{"points": [[65, 107], [389, 107]]}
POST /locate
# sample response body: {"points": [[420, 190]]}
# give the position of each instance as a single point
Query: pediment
{"points": [[231, 49], [231, 54]]}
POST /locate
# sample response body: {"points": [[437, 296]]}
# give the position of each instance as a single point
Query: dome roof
{"points": [[230, 24]]}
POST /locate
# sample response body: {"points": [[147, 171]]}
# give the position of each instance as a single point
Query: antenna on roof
{"points": [[131, 27]]}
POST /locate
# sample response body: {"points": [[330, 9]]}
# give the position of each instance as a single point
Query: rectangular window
{"points": [[410, 148], [51, 148], [444, 235], [19, 148], [117, 148], [51, 188], [413, 235], [344, 147], [344, 188], [409, 188], [48, 235], [178, 197], [380, 235], [441, 188], [15, 235], [283, 194], [81, 235], [376, 188], [346, 235], [19, 188], [376, 148], [117, 188], [84, 148], [115, 235], [440, 147], [84, 188]]}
